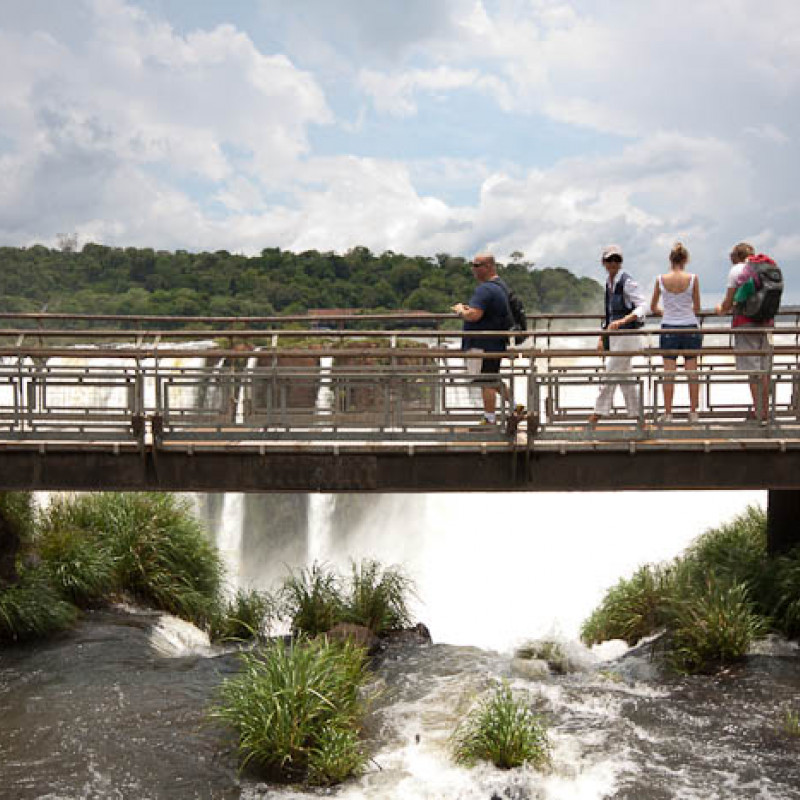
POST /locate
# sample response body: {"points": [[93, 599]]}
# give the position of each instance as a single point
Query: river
{"points": [[117, 707]]}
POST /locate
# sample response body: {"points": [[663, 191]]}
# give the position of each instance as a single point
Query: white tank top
{"points": [[678, 306]]}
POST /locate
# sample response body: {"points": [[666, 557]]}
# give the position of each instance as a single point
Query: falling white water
{"points": [[320, 506], [229, 538], [231, 532]]}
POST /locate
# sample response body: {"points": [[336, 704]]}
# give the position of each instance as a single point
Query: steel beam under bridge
{"points": [[407, 468]]}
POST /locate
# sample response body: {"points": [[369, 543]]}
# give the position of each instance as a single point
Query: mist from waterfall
{"points": [[491, 569]]}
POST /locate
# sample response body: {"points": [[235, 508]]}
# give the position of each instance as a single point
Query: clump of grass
{"points": [[161, 553], [248, 615], [712, 602], [632, 609], [15, 528], [504, 731], [378, 597], [312, 599], [297, 709], [791, 722], [735, 552], [785, 593], [16, 509], [33, 608], [81, 568], [712, 624]]}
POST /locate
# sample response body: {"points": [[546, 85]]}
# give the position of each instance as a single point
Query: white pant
{"points": [[630, 391]]}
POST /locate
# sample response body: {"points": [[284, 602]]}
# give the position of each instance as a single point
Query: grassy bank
{"points": [[92, 549], [711, 602]]}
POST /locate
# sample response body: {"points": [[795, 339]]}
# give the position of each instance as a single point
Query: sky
{"points": [[546, 127]]}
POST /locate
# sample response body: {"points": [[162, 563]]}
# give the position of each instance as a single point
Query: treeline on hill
{"points": [[113, 280]]}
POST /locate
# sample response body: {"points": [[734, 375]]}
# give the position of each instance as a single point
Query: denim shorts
{"points": [[679, 337]]}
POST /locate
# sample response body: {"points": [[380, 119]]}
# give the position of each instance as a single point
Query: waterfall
{"points": [[230, 535], [229, 538], [321, 506]]}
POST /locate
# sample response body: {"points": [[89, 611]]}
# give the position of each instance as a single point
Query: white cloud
{"points": [[395, 93], [767, 132], [131, 132], [136, 94]]}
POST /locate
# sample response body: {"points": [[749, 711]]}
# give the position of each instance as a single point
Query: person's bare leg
{"points": [[759, 391], [669, 385], [764, 397], [690, 365], [489, 399]]}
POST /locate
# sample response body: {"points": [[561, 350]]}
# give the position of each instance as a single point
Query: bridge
{"points": [[376, 403]]}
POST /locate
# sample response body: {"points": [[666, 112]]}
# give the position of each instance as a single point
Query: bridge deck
{"points": [[299, 410]]}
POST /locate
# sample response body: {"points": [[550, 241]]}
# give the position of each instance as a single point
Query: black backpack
{"points": [[759, 294], [518, 316]]}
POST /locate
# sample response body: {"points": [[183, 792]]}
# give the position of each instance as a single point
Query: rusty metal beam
{"points": [[128, 468]]}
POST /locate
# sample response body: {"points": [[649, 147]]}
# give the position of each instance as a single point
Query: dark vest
{"points": [[616, 305]]}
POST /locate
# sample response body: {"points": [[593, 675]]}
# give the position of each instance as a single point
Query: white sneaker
{"points": [[665, 418], [694, 417]]}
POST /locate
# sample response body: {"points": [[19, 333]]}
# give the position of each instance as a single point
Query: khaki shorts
{"points": [[753, 341], [483, 370]]}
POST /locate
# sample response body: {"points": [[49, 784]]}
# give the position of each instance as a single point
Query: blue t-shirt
{"points": [[492, 299]]}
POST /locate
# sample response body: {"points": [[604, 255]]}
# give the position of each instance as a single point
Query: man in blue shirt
{"points": [[487, 310]]}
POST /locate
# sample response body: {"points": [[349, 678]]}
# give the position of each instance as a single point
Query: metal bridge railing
{"points": [[254, 385]]}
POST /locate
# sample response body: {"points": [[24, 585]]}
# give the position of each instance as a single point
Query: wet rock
{"points": [[552, 653], [531, 669], [416, 635], [358, 634]]}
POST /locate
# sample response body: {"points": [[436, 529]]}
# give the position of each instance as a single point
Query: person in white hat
{"points": [[625, 309]]}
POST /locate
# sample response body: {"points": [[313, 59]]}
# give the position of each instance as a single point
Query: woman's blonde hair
{"points": [[679, 254]]}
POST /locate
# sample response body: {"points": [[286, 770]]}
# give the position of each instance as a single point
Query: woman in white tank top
{"points": [[679, 292]]}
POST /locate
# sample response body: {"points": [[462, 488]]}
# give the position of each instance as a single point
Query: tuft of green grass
{"points": [[297, 709], [312, 599], [32, 608], [504, 731], [81, 568], [735, 552], [161, 553], [16, 516], [712, 602], [713, 624], [16, 509], [248, 615], [317, 598], [791, 722], [785, 593], [378, 597], [632, 609]]}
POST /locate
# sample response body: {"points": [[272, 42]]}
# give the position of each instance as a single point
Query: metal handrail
{"points": [[277, 319]]}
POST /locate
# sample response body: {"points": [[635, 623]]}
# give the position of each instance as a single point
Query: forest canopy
{"points": [[137, 281]]}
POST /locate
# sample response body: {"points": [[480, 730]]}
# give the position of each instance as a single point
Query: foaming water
{"points": [[111, 710]]}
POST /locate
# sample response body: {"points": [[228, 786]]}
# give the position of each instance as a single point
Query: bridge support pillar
{"points": [[783, 520]]}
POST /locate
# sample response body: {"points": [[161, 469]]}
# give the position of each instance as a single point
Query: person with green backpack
{"points": [[753, 295]]}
